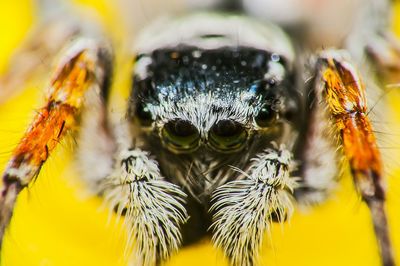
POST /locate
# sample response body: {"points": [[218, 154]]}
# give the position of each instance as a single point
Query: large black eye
{"points": [[144, 115], [266, 117], [180, 136], [227, 136]]}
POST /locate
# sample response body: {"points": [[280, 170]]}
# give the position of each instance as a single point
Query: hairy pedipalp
{"points": [[154, 208], [243, 209]]}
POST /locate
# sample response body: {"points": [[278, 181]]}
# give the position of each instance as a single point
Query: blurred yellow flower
{"points": [[54, 224]]}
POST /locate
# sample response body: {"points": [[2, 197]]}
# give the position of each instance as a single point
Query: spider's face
{"points": [[220, 99], [198, 105]]}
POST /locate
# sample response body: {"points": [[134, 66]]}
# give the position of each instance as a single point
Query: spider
{"points": [[230, 121]]}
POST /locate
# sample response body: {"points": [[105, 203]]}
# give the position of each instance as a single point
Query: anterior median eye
{"points": [[180, 136], [144, 115], [227, 136], [266, 117]]}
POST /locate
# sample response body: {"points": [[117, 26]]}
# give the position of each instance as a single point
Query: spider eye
{"points": [[144, 115], [227, 136], [180, 136], [266, 117]]}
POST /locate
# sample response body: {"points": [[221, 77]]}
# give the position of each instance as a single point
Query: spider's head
{"points": [[219, 98], [209, 97]]}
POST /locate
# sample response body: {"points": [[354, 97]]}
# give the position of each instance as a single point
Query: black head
{"points": [[189, 97], [206, 98]]}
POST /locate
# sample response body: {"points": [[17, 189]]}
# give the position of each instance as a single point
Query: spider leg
{"points": [[32, 58], [243, 209], [82, 72], [58, 23], [316, 152], [154, 208], [384, 50], [372, 36], [344, 94]]}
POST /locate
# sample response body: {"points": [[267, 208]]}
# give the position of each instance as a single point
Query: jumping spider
{"points": [[230, 121]]}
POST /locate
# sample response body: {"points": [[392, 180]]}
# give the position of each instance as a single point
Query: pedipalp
{"points": [[154, 208], [243, 209]]}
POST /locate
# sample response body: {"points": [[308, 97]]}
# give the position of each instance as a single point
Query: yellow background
{"points": [[55, 224]]}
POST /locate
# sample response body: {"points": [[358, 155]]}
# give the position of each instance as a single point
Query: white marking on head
{"points": [[141, 67], [234, 31], [276, 71], [199, 110]]}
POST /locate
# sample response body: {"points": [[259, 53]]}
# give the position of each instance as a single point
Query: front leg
{"points": [[80, 79], [384, 50], [338, 82], [372, 36], [154, 208], [243, 209]]}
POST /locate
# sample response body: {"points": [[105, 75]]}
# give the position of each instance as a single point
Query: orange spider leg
{"points": [[345, 95], [83, 69]]}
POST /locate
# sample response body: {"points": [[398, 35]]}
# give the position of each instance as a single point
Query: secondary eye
{"points": [[227, 136], [144, 115], [266, 117], [180, 136]]}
